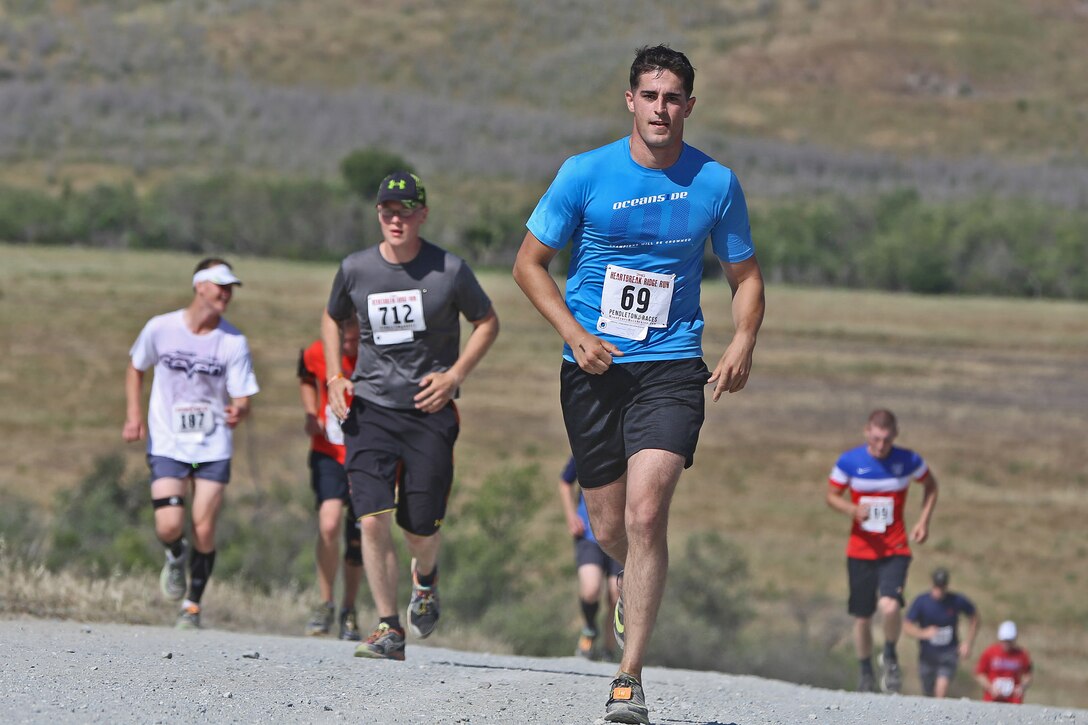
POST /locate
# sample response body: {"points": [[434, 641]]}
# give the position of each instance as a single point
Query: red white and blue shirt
{"points": [[882, 484]]}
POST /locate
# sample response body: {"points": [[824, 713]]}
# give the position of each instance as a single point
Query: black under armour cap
{"points": [[404, 187], [940, 577]]}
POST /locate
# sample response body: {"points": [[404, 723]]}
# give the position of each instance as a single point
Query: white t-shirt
{"points": [[195, 378]]}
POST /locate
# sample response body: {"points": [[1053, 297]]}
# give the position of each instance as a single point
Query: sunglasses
{"points": [[389, 214]]}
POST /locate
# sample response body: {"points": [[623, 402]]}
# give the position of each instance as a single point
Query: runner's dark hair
{"points": [[658, 58]]}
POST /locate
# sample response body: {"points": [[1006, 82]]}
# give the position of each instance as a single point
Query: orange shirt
{"points": [[311, 369]]}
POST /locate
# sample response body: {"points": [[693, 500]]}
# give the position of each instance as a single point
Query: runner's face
{"points": [[400, 223], [660, 106], [879, 440], [215, 296]]}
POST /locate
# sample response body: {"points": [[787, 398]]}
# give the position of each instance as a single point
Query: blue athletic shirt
{"points": [[925, 611], [569, 476], [614, 211]]}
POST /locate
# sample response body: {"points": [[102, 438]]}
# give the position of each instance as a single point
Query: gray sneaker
{"points": [[866, 682], [188, 617], [172, 578], [617, 618], [626, 702], [384, 643], [892, 681], [320, 619], [423, 608], [349, 626]]}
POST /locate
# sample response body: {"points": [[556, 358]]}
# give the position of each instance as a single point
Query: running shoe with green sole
{"points": [[172, 578], [626, 702], [321, 617], [384, 643], [349, 626], [423, 608], [188, 617]]}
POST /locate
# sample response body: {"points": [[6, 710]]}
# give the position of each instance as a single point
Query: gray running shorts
{"points": [[163, 467]]}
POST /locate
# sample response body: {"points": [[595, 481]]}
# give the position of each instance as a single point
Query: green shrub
{"points": [[364, 169], [105, 523], [704, 607]]}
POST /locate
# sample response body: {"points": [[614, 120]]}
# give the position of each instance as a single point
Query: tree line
{"points": [[895, 241]]}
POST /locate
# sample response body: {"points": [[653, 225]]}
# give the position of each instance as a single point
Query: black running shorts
{"points": [[588, 552], [870, 577], [328, 478], [631, 407], [402, 461]]}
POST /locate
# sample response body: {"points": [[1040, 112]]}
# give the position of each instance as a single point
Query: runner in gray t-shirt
{"points": [[401, 425]]}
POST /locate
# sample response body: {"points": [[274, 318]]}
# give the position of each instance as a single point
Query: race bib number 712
{"points": [[395, 316]]}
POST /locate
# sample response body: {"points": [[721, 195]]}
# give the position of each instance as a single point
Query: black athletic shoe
{"points": [[349, 626], [423, 607], [866, 682]]}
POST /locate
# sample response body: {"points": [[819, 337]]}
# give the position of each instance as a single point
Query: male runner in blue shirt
{"points": [[637, 213]]}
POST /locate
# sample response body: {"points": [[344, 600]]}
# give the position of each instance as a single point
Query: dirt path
{"points": [[53, 672]]}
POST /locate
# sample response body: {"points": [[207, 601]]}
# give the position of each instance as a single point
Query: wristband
{"points": [[334, 377]]}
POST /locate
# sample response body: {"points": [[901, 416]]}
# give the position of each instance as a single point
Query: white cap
{"points": [[1007, 631], [219, 274]]}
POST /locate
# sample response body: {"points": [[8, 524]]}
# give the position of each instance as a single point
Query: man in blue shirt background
{"points": [[932, 619]]}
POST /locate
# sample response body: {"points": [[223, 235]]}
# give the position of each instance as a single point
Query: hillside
{"points": [[992, 392], [799, 95]]}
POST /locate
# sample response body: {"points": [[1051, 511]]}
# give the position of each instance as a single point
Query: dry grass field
{"points": [[993, 392]]}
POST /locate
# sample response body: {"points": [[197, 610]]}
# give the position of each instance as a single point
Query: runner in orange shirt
{"points": [[330, 485]]}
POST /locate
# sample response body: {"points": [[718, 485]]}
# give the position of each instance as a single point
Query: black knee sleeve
{"points": [[353, 542], [158, 503]]}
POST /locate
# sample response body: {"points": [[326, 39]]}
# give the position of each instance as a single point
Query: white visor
{"points": [[219, 274]]}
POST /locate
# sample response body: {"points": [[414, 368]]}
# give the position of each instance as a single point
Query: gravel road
{"points": [[56, 672]]}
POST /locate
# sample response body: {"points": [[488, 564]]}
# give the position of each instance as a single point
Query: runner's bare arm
{"points": [[593, 354], [570, 510], [337, 385], [920, 532], [840, 503], [236, 411], [746, 281], [437, 389], [134, 428]]}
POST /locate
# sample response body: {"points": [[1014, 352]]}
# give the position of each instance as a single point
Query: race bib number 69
{"points": [[633, 301]]}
